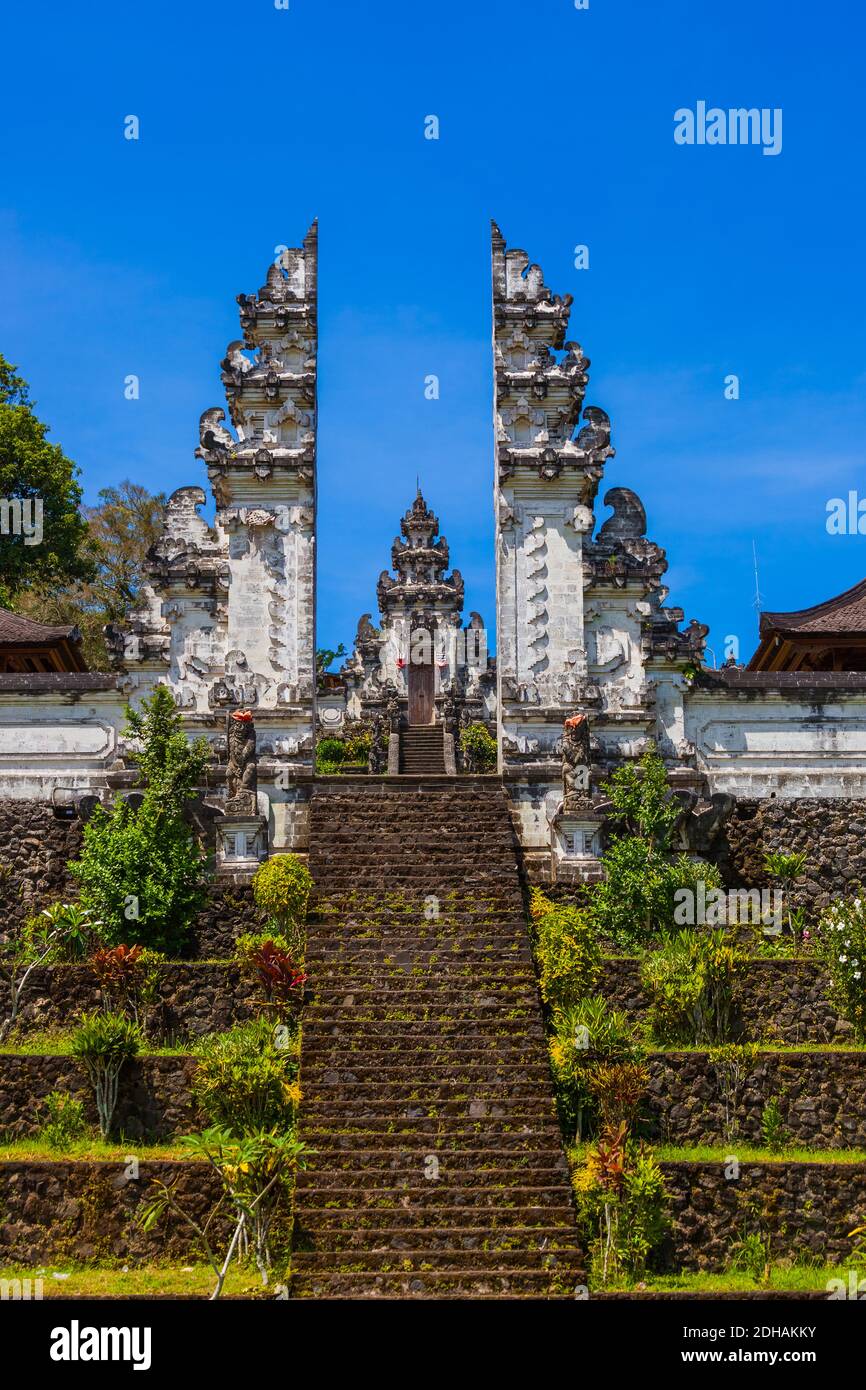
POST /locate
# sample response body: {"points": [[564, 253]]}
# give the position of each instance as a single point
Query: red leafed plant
{"points": [[115, 966], [281, 976]]}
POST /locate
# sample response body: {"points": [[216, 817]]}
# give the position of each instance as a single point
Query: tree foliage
{"points": [[141, 869], [121, 528], [33, 468]]}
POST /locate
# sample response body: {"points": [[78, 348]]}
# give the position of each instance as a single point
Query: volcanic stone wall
{"points": [[832, 832]]}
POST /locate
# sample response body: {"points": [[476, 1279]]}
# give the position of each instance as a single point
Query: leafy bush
{"points": [[622, 1208], [567, 951], [281, 888], [141, 869], [104, 1043], [64, 1122], [280, 976], [250, 942], [618, 1089], [636, 900], [584, 1036], [256, 1173], [643, 803], [128, 979], [479, 749], [841, 946], [331, 750], [75, 932], [690, 982], [244, 1082]]}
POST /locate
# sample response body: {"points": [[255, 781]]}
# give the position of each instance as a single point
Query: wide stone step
{"points": [[432, 1136], [467, 1284], [382, 1164], [321, 1071], [446, 1238], [386, 1183], [411, 1092], [463, 1209], [305, 1264]]}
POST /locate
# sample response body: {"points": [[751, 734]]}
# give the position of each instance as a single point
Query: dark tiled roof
{"points": [[844, 614], [18, 631], [738, 678], [59, 682]]}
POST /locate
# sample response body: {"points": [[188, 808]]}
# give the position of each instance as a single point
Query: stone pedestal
{"points": [[242, 844]]}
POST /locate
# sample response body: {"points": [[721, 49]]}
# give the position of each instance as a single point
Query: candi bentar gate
{"points": [[591, 666]]}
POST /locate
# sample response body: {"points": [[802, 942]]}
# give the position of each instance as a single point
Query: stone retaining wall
{"points": [[832, 832], [781, 1001], [194, 998], [86, 1211], [821, 1095], [806, 1209], [153, 1103], [34, 848]]}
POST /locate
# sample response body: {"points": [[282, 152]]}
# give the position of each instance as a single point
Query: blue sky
{"points": [[121, 257]]}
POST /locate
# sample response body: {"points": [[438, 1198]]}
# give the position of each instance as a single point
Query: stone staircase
{"points": [[422, 750], [438, 1170]]}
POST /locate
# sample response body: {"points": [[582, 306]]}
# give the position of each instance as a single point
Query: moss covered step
{"points": [[410, 1090], [399, 1158], [153, 1098], [364, 1134], [821, 1095], [379, 1023], [440, 1237], [323, 1073], [429, 1284], [87, 1211], [450, 1178], [776, 1000]]}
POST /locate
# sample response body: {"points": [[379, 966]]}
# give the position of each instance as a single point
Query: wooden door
{"points": [[422, 706]]}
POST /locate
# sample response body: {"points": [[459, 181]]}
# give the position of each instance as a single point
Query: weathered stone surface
{"points": [[776, 1000], [34, 849], [832, 832], [87, 1211], [806, 1209], [153, 1099], [193, 998], [821, 1096]]}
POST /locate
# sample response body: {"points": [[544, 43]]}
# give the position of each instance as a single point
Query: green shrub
{"points": [[584, 1036], [622, 1209], [635, 903], [72, 929], [690, 982], [357, 745], [281, 888], [141, 869], [840, 945], [250, 942], [479, 749], [104, 1043], [244, 1079], [64, 1122], [331, 750], [567, 951]]}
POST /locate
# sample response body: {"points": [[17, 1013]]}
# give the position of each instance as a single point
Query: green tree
{"points": [[325, 657], [33, 469], [122, 527], [141, 868]]}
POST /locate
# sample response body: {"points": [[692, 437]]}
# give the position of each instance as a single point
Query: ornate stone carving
{"points": [[241, 773]]}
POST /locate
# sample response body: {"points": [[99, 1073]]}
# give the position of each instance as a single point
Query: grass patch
{"points": [[88, 1150], [745, 1153], [141, 1281], [765, 1048], [790, 1279], [58, 1043]]}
